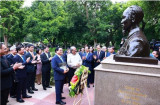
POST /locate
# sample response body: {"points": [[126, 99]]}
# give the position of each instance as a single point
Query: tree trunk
{"points": [[95, 43], [65, 44], [87, 16], [53, 42], [6, 40]]}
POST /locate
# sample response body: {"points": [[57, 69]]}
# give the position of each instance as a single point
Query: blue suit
{"points": [[105, 54], [10, 59], [108, 54], [30, 67], [100, 57], [81, 54], [58, 76], [25, 52], [21, 75], [65, 56], [88, 63]]}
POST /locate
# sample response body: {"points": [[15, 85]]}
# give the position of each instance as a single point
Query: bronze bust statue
{"points": [[136, 44]]}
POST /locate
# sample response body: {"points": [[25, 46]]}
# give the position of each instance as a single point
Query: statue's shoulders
{"points": [[138, 36]]}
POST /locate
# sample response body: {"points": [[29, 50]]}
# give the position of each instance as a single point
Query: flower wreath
{"points": [[75, 87]]}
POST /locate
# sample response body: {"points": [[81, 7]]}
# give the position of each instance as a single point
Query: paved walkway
{"points": [[47, 97]]}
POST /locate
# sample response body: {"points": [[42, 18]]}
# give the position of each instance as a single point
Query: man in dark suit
{"points": [[111, 50], [59, 74], [98, 56], [31, 70], [87, 61], [26, 49], [21, 74], [6, 74], [46, 68], [10, 59], [81, 52], [65, 54]]}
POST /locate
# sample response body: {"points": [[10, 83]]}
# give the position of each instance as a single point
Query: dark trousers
{"points": [[33, 79], [21, 88], [62, 86], [92, 76], [58, 87], [30, 82], [4, 96], [70, 74], [13, 89], [46, 78], [14, 85], [89, 79]]}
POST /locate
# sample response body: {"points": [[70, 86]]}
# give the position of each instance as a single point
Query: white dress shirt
{"points": [[47, 55], [73, 60]]}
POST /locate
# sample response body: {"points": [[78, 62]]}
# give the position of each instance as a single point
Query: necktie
{"points": [[86, 55], [98, 54], [23, 58]]}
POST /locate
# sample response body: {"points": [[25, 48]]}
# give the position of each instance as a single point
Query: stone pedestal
{"points": [[119, 83]]}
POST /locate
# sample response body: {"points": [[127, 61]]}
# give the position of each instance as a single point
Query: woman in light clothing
{"points": [[39, 67]]}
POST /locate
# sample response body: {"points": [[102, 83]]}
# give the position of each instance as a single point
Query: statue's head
{"points": [[132, 16]]}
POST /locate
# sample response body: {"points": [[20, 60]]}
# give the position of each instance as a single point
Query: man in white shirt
{"points": [[74, 61], [104, 49]]}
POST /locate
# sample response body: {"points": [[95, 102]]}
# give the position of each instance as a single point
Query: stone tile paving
{"points": [[47, 97]]}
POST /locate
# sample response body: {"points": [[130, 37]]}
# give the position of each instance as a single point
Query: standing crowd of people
{"points": [[65, 64], [22, 66]]}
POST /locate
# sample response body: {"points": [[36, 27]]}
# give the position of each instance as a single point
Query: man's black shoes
{"points": [[27, 96], [20, 100], [88, 86], [13, 96], [61, 103], [30, 91], [44, 88], [63, 97], [34, 89], [49, 87]]}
